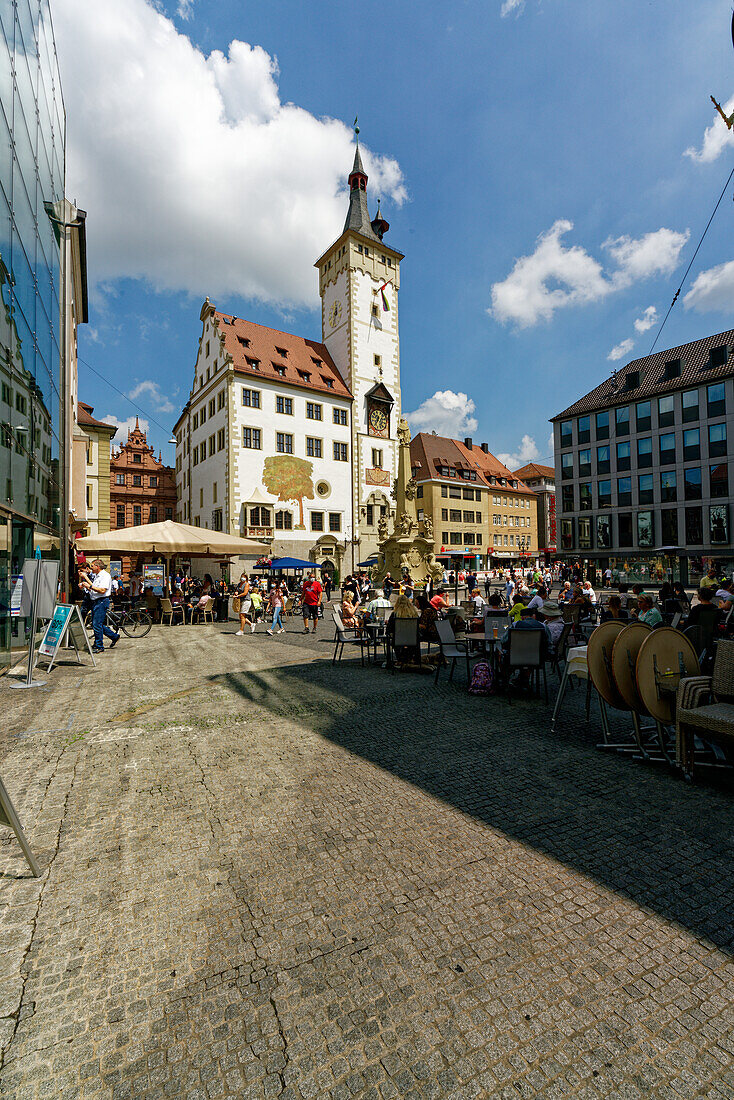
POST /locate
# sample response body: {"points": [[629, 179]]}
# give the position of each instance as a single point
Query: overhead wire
{"points": [[135, 405]]}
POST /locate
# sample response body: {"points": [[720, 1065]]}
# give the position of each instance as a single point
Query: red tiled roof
{"points": [[533, 469], [257, 351], [85, 418], [429, 452]]}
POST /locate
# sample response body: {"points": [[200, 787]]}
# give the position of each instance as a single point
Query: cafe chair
{"points": [[167, 608], [451, 649], [526, 652], [343, 637], [704, 717]]}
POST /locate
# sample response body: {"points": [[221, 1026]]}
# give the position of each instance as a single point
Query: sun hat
{"points": [[550, 609]]}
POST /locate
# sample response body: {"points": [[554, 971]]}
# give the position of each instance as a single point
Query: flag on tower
{"points": [[385, 303]]}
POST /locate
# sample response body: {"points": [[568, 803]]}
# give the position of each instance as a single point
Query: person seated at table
{"points": [[478, 601], [404, 609], [580, 597], [428, 616], [646, 612], [349, 611], [494, 603], [536, 601], [638, 590], [589, 593], [438, 600], [527, 621], [380, 600], [551, 616], [725, 596], [518, 606], [566, 593], [177, 598], [614, 610], [705, 612], [681, 596]]}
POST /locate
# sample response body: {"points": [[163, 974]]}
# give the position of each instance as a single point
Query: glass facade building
{"points": [[32, 164]]}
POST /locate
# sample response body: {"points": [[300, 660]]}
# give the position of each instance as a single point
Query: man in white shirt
{"points": [[379, 601], [98, 585], [589, 591], [537, 601]]}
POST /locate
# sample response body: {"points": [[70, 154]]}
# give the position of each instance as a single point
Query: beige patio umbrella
{"points": [[170, 539]]}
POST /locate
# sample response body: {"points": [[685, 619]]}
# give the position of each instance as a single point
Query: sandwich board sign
{"points": [[66, 623], [9, 817]]}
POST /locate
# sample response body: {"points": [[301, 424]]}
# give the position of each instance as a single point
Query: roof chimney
{"points": [[468, 442], [485, 448]]}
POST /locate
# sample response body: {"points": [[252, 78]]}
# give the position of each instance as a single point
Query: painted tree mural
{"points": [[289, 478]]}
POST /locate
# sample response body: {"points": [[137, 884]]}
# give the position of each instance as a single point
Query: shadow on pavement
{"points": [[635, 829]]}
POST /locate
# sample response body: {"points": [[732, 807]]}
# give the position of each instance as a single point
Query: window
{"points": [[719, 480], [624, 490], [283, 521], [643, 416], [7, 394], [624, 527], [169, 513], [284, 443], [252, 438], [20, 403], [195, 456], [445, 515], [669, 526], [691, 444], [377, 458], [317, 521], [137, 458], [212, 406], [666, 411], [419, 492], [119, 479], [454, 492], [584, 533], [212, 444], [603, 532], [137, 515], [340, 416], [259, 517], [566, 466], [207, 349], [716, 404], [282, 352], [284, 405], [584, 429], [89, 496], [567, 534], [137, 479], [694, 526], [221, 399], [668, 485], [667, 449], [313, 447], [328, 382], [585, 463], [153, 515], [567, 433], [585, 496], [370, 515], [468, 517], [717, 440], [602, 460], [622, 421], [201, 498], [689, 401], [202, 414], [567, 498], [623, 455], [645, 530], [604, 489], [644, 452], [313, 410], [90, 453], [340, 452], [719, 524], [220, 439], [672, 369], [335, 521], [251, 398], [602, 425], [120, 515], [468, 494], [718, 356], [455, 538], [644, 488], [455, 515], [692, 483]]}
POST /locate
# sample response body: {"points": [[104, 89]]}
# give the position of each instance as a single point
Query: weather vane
{"points": [[355, 126], [728, 119]]}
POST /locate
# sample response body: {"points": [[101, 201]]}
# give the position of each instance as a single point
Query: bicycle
{"points": [[134, 622]]}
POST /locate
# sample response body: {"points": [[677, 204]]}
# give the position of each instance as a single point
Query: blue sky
{"points": [[532, 165]]}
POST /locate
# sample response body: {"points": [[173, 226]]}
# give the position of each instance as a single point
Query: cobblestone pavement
{"points": [[267, 877]]}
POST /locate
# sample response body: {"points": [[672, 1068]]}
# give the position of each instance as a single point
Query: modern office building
{"points": [[482, 514], [643, 465], [32, 139], [542, 480]]}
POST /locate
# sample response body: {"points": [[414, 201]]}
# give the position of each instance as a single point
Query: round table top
{"points": [[665, 649], [624, 661], [599, 655]]}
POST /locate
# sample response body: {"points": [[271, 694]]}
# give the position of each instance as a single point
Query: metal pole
{"points": [[32, 639]]}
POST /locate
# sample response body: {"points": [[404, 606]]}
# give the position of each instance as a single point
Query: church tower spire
{"points": [[358, 217]]}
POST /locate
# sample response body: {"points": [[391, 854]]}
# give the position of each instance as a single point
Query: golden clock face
{"points": [[334, 314], [378, 420]]}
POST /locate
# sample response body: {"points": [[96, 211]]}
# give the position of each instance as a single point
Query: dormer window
{"points": [[282, 352], [254, 363], [244, 341], [316, 362], [672, 369], [718, 356], [328, 382], [305, 375], [279, 369], [632, 379]]}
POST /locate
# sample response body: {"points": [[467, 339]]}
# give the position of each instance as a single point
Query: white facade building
{"points": [[294, 442]]}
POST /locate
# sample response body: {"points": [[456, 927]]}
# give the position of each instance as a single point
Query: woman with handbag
{"points": [[242, 604]]}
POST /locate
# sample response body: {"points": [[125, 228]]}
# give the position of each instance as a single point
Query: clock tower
{"points": [[359, 279]]}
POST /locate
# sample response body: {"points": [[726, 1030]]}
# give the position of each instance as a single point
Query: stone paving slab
{"points": [[268, 877]]}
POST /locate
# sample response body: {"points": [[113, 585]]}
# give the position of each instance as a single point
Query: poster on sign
{"points": [[115, 570], [66, 625], [154, 576], [16, 595]]}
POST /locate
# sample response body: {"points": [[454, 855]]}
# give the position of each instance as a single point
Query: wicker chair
{"points": [[705, 708]]}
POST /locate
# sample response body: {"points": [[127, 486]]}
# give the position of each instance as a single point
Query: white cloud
{"points": [[716, 138], [620, 350], [195, 175], [125, 426], [152, 391], [647, 321], [526, 452], [512, 5], [712, 290], [185, 9], [656, 253], [554, 276], [446, 413]]}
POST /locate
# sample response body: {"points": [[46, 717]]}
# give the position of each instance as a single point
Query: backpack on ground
{"points": [[482, 679]]}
